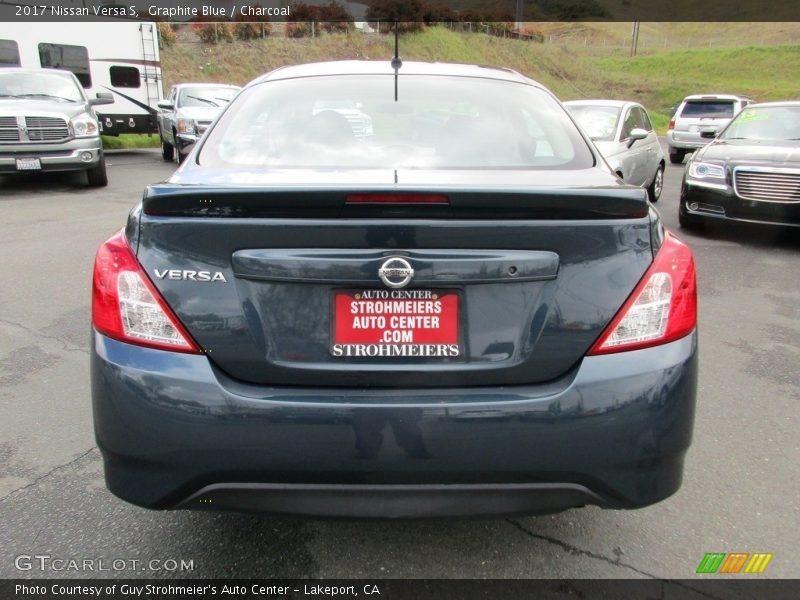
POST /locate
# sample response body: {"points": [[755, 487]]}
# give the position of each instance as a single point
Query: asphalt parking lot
{"points": [[741, 491]]}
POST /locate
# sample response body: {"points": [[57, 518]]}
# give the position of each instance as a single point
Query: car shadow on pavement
{"points": [[36, 182]]}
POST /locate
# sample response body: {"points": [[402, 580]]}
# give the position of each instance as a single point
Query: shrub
{"points": [[298, 30], [210, 33], [251, 31], [251, 27], [331, 17], [409, 14], [166, 34]]}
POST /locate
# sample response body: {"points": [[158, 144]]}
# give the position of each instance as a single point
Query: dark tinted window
{"points": [[127, 77], [352, 121], [9, 53], [708, 108], [69, 58]]}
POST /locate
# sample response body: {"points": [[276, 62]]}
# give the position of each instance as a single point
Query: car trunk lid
{"points": [[282, 284]]}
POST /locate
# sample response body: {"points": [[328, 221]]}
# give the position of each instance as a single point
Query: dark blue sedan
{"points": [[377, 291]]}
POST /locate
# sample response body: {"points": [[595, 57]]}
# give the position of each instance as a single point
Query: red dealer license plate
{"points": [[395, 323]]}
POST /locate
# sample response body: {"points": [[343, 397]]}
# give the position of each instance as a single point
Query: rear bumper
{"points": [[386, 500], [177, 433], [685, 141]]}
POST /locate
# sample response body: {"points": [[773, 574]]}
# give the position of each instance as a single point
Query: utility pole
{"points": [[519, 15], [635, 38]]}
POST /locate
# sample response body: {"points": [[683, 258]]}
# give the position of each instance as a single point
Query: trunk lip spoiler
{"points": [[593, 202]]}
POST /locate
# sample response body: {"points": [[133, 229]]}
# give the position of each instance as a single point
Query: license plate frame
{"points": [[431, 328], [29, 164]]}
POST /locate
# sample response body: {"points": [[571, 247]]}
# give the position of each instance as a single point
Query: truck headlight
{"points": [[186, 126], [84, 125]]}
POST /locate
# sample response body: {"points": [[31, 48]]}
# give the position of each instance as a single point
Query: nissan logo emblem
{"points": [[396, 272]]}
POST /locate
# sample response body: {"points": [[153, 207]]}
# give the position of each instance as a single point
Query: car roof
{"points": [[62, 72], [384, 67], [205, 84], [789, 103], [618, 103], [715, 97]]}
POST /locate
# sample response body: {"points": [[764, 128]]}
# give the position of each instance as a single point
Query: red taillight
{"points": [[127, 307], [397, 199], [662, 308], [671, 124]]}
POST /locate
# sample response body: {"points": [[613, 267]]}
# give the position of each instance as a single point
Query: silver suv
{"points": [[47, 124], [698, 113]]}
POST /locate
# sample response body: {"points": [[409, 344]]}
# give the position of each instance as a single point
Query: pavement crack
{"points": [[48, 474], [579, 551], [67, 346], [574, 550]]}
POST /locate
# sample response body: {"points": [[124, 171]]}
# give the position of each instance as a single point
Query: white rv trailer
{"points": [[120, 57]]}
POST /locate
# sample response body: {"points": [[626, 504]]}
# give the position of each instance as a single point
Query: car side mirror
{"points": [[708, 133], [636, 134], [102, 98], [166, 105]]}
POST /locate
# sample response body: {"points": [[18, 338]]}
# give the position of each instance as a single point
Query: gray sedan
{"points": [[624, 134]]}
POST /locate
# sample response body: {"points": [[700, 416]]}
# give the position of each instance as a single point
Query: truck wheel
{"points": [[676, 156], [97, 176], [167, 151]]}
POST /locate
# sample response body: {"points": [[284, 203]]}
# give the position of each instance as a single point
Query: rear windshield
{"points": [[354, 121], [708, 108]]}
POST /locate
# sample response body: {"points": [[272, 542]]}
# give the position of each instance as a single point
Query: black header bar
{"points": [[399, 10]]}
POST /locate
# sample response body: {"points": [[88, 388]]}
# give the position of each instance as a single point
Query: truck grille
{"points": [[9, 132], [767, 185], [46, 129]]}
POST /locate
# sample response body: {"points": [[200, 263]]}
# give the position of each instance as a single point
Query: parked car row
{"points": [[745, 157]]}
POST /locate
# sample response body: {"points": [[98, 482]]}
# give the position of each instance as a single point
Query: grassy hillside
{"points": [[657, 79]]}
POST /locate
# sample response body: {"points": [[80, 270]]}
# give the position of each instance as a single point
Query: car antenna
{"points": [[396, 62]]}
